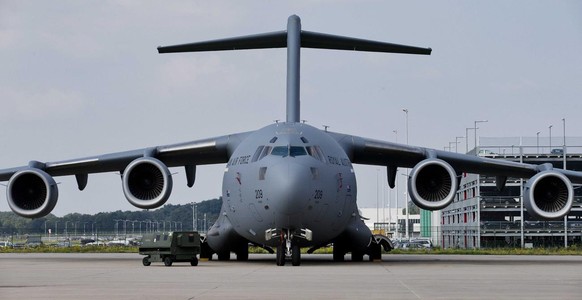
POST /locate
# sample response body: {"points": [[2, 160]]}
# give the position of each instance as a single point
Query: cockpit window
{"points": [[284, 151], [297, 151], [257, 153], [315, 152], [266, 151], [280, 151], [292, 151]]}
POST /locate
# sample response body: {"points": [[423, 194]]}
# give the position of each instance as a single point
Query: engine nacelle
{"points": [[32, 193], [548, 195], [147, 183], [432, 184]]}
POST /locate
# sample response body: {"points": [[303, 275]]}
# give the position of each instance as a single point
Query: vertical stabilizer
{"points": [[293, 67]]}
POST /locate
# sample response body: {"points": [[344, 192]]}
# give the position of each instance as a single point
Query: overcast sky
{"points": [[82, 78]]}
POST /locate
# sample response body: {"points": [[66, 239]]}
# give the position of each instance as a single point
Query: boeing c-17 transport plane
{"points": [[289, 185]]}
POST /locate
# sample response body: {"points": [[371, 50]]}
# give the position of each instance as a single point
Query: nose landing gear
{"points": [[288, 246]]}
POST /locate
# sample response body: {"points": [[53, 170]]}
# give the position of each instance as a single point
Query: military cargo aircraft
{"points": [[289, 185]]}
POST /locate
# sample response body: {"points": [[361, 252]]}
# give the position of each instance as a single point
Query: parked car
{"points": [[425, 243], [6, 244], [411, 245]]}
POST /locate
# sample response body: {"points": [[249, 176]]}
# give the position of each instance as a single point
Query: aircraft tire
{"points": [[223, 256], [338, 252], [376, 252], [281, 255], [295, 255], [357, 256], [243, 254]]}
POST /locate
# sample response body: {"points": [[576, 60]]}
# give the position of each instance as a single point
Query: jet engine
{"points": [[548, 195], [147, 183], [432, 184], [32, 193]]}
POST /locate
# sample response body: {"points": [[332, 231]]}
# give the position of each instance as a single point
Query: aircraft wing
{"points": [[207, 151], [376, 152]]}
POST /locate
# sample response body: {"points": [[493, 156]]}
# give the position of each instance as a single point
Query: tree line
{"points": [[168, 217]]}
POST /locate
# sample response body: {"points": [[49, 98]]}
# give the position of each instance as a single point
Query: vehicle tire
{"points": [[146, 262], [167, 261], [194, 261]]}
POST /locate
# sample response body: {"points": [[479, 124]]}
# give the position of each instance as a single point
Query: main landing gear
{"points": [[288, 246]]}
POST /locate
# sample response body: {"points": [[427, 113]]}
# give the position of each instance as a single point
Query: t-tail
{"points": [[293, 39]]}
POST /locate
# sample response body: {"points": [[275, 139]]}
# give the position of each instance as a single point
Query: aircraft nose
{"points": [[290, 185]]}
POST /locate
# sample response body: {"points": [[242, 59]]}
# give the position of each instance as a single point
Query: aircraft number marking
{"points": [[318, 194], [338, 161], [241, 160], [259, 194]]}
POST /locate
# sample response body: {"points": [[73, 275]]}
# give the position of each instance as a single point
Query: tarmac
{"points": [[122, 276]]}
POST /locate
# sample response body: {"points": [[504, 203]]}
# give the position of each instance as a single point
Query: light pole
{"points": [[94, 229], [67, 228], [482, 121], [564, 150], [397, 225], [117, 227], [193, 217], [406, 198], [538, 142], [550, 128], [406, 231], [467, 138], [457, 143], [377, 196], [565, 217], [406, 111]]}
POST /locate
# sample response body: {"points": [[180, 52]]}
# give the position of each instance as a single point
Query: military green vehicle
{"points": [[177, 246]]}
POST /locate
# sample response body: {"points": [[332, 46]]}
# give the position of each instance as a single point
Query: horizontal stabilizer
{"points": [[256, 41], [307, 40], [328, 41], [294, 39]]}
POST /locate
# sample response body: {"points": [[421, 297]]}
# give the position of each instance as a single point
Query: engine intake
{"points": [[432, 184], [32, 193], [147, 183], [548, 195]]}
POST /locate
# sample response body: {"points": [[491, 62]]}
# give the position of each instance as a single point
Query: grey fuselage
{"points": [[291, 176]]}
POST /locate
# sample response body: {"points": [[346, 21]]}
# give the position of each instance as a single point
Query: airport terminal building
{"points": [[481, 216]]}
